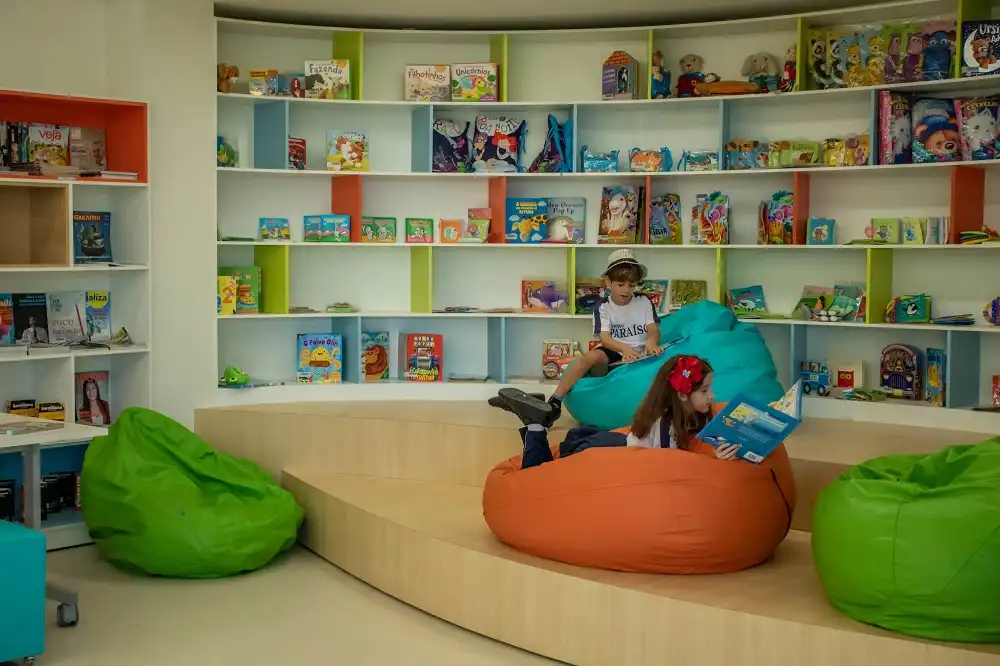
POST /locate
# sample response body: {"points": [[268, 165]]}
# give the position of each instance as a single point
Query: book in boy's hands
{"points": [[758, 428]]}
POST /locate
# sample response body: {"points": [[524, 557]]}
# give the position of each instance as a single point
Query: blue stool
{"points": [[22, 589]]}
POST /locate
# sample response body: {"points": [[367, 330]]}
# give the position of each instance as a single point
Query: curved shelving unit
{"points": [[399, 287], [393, 496]]}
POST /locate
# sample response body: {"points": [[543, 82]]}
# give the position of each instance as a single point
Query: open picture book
{"points": [[757, 427]]}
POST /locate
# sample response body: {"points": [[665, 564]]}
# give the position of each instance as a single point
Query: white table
{"points": [[30, 446]]}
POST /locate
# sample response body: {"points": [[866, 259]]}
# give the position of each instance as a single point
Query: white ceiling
{"points": [[512, 14]]}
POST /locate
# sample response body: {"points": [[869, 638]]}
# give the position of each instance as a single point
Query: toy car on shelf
{"points": [[557, 355], [815, 377]]}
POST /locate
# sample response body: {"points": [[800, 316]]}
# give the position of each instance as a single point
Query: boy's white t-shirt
{"points": [[652, 440], [626, 323]]}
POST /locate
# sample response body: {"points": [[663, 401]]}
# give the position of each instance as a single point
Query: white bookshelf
{"points": [[557, 72]]}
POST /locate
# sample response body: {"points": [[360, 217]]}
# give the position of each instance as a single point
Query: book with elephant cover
{"points": [[758, 427]]}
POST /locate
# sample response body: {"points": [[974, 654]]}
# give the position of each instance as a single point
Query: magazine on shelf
{"points": [[756, 426]]}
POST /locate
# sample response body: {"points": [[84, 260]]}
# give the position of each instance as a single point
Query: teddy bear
{"points": [[691, 75], [226, 76], [761, 69]]}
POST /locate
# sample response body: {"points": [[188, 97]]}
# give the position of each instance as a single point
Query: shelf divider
{"points": [[496, 362], [270, 135], [962, 364], [723, 132], [650, 37], [873, 127], [571, 278], [968, 194], [499, 45], [800, 207], [421, 278], [421, 138], [649, 208], [350, 45], [498, 209], [721, 275], [275, 277], [345, 199], [878, 283], [802, 55], [798, 351]]}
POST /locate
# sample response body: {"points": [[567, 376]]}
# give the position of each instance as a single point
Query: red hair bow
{"points": [[686, 374]]}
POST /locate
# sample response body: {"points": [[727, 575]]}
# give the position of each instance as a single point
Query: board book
{"points": [[758, 427], [374, 356], [527, 220], [423, 357], [320, 358], [620, 215], [567, 220], [275, 229], [247, 287], [346, 151], [328, 79], [378, 230]]}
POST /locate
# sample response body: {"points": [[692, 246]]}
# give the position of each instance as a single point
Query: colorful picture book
{"points": [[419, 230], [820, 231], [427, 83], [225, 297], [378, 230], [665, 220], [710, 219], [7, 336], [296, 153], [67, 315], [93, 398], [686, 292], [247, 287], [567, 220], [747, 301], [91, 237], [451, 230], [620, 214], [328, 79], [326, 228], [477, 226], [48, 144], [541, 296], [475, 82], [275, 229], [909, 230], [31, 321], [98, 319], [527, 220], [346, 151], [88, 149], [320, 358], [422, 359], [756, 427], [980, 47], [374, 356], [937, 366]]}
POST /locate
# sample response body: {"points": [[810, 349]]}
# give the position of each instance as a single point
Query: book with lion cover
{"points": [[374, 356]]}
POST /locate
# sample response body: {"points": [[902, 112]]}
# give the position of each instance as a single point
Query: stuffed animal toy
{"points": [[226, 76], [787, 83], [691, 75], [761, 69]]}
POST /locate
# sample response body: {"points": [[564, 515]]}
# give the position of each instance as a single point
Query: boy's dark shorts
{"points": [[612, 356]]}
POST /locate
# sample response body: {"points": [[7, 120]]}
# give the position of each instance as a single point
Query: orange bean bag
{"points": [[644, 510]]}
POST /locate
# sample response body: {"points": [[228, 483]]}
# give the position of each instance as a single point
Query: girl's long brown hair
{"points": [[664, 401]]}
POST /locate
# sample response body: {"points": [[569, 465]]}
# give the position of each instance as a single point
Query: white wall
{"points": [[161, 53]]}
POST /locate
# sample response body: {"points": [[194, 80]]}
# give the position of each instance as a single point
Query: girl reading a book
{"points": [[677, 407]]}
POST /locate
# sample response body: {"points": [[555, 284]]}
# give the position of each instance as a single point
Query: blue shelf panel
{"points": [[421, 138], [496, 367], [270, 135], [54, 459], [962, 368]]}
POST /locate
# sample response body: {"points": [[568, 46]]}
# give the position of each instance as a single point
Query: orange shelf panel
{"points": [[800, 207], [345, 199], [968, 193], [124, 123], [498, 209]]}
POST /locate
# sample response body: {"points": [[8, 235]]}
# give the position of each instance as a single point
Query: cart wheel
{"points": [[28, 661], [823, 391], [807, 389], [67, 615]]}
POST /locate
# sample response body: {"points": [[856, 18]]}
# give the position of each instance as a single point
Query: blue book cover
{"points": [[7, 319], [820, 231], [91, 237], [757, 427], [319, 358], [99, 316], [527, 220], [748, 301], [275, 229]]}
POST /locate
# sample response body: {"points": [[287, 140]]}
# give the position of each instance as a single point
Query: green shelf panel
{"points": [[421, 279], [571, 278], [650, 36], [802, 54], [275, 277], [878, 281], [721, 275], [498, 53], [350, 45]]}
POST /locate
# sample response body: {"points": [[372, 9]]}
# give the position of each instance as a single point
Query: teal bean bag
{"points": [[158, 500], [736, 351], [911, 543]]}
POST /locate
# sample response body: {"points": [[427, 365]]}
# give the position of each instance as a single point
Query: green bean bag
{"points": [[911, 543], [158, 500]]}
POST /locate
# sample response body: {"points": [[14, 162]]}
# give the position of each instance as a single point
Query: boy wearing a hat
{"points": [[626, 324]]}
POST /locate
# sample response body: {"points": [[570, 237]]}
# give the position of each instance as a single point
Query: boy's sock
{"points": [[528, 408]]}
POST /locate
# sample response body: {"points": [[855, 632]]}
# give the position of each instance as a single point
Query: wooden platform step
{"points": [[427, 544]]}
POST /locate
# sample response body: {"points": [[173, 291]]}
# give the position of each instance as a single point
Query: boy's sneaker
{"points": [[497, 401], [556, 405], [527, 407]]}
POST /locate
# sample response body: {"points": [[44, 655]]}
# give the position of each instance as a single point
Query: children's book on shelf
{"points": [[686, 292], [542, 296], [419, 230], [710, 219], [7, 336], [758, 428], [820, 231], [328, 79], [275, 229], [296, 153], [320, 358], [346, 151], [475, 82], [331, 228], [620, 214], [527, 220], [775, 219], [588, 295], [665, 220], [374, 355], [23, 407], [31, 322], [423, 357], [51, 411], [257, 81], [99, 315], [936, 371], [88, 149], [657, 291], [428, 83], [451, 230], [67, 314], [91, 237], [885, 229], [980, 47], [48, 144], [378, 230], [912, 231], [567, 220], [225, 299], [477, 226], [247, 287], [93, 399], [747, 301]]}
